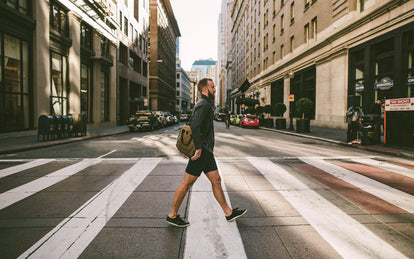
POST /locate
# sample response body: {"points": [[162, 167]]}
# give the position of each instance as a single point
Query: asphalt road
{"points": [[108, 197]]}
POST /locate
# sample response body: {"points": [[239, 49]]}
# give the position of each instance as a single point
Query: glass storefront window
{"points": [[59, 97], [410, 79], [86, 100], [104, 94], [14, 84], [384, 68]]}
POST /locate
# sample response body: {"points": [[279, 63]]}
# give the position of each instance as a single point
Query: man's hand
{"points": [[197, 154]]}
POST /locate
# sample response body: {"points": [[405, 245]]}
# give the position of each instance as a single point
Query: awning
{"points": [[246, 84], [247, 101]]}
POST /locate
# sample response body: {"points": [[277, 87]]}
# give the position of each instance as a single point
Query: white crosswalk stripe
{"points": [[384, 165], [209, 234], [346, 235], [18, 168], [26, 190], [73, 235], [400, 199]]}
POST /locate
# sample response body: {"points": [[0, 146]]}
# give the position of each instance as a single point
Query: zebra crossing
{"points": [[343, 203]]}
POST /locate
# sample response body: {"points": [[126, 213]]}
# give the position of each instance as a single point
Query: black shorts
{"points": [[205, 163]]}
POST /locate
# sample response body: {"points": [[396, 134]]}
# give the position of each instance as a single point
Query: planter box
{"points": [[281, 123], [268, 123], [302, 125]]}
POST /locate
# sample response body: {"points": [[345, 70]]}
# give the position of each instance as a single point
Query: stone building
{"points": [[133, 57], [163, 34], [336, 53]]}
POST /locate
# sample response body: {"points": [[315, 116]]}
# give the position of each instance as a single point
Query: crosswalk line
{"points": [[399, 198], [70, 238], [210, 235], [19, 193], [384, 165], [347, 236], [18, 168]]}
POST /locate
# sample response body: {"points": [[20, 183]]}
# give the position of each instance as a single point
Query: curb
{"points": [[368, 148], [58, 142]]}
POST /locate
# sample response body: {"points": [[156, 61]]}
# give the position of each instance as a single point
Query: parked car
{"points": [[184, 117], [169, 118], [143, 120], [175, 119], [249, 121], [161, 118], [220, 116], [236, 120]]}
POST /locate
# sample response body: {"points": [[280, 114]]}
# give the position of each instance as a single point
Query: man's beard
{"points": [[211, 95]]}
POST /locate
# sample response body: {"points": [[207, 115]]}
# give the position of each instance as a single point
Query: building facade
{"points": [[336, 53], [133, 79], [163, 34], [193, 75], [57, 58], [183, 91]]}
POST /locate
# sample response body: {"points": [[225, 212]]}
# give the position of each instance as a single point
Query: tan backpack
{"points": [[185, 141]]}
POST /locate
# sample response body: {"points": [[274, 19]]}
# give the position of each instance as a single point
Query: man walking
{"points": [[203, 159]]}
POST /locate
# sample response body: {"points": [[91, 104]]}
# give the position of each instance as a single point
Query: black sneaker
{"points": [[178, 222], [236, 214]]}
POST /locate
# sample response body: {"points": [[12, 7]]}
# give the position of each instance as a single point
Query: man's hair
{"points": [[203, 83]]}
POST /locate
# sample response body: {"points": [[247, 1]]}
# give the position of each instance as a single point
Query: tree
{"points": [[304, 106], [279, 109]]}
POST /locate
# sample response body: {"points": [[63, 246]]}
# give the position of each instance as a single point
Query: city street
{"points": [[109, 197]]}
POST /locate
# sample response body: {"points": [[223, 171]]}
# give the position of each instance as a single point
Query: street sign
{"points": [[401, 104], [291, 97]]}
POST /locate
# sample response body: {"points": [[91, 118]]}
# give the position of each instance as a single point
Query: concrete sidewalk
{"points": [[27, 140], [338, 136]]}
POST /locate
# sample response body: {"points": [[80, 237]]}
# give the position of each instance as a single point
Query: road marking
{"points": [[347, 236], [384, 165], [70, 238], [107, 153], [18, 168], [28, 189], [209, 234], [401, 199]]}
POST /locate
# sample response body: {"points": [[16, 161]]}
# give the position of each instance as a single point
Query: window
{"points": [[14, 84], [314, 28], [274, 32], [282, 51], [59, 83], [307, 3], [58, 19], [20, 5], [258, 52], [274, 57], [86, 36], [178, 93], [292, 12], [306, 30], [274, 7], [136, 9], [292, 43], [125, 26], [361, 5], [86, 93], [178, 84], [105, 93], [120, 20], [282, 24]]}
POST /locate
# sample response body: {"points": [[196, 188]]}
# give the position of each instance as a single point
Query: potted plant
{"points": [[304, 106], [279, 109], [268, 121]]}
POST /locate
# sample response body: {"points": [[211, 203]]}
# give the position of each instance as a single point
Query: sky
{"points": [[198, 24]]}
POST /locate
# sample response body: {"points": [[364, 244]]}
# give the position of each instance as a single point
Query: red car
{"points": [[249, 121]]}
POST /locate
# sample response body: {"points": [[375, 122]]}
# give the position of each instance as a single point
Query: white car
{"points": [[161, 118]]}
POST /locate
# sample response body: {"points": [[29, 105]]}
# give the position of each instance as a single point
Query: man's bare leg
{"points": [[218, 192], [182, 189]]}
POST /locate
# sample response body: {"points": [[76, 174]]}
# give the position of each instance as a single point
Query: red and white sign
{"points": [[291, 97], [402, 104]]}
